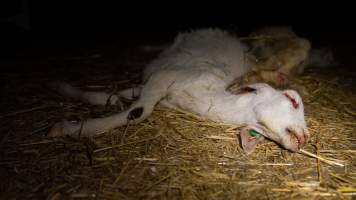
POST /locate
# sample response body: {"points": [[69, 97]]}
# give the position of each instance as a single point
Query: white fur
{"points": [[193, 75]]}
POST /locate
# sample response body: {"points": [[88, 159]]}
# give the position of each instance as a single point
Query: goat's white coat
{"points": [[193, 75]]}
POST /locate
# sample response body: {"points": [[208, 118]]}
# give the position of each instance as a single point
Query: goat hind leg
{"points": [[137, 112], [95, 98]]}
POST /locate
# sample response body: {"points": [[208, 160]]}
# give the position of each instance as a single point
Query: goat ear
{"points": [[248, 141], [245, 89]]}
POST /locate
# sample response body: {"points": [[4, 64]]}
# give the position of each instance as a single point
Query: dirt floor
{"points": [[170, 155]]}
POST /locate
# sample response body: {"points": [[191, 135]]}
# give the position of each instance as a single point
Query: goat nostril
{"points": [[290, 131]]}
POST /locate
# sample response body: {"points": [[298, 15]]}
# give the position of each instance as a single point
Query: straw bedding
{"points": [[171, 155]]}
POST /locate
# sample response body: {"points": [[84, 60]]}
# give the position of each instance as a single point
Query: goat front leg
{"points": [[89, 127], [136, 113]]}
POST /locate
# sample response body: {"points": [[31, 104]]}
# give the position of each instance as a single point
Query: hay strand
{"points": [[321, 158]]}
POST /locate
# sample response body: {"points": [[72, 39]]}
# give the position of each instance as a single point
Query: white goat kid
{"points": [[193, 75]]}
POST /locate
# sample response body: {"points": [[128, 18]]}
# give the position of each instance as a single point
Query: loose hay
{"points": [[175, 155]]}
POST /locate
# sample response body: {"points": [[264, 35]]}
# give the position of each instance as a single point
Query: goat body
{"points": [[193, 75]]}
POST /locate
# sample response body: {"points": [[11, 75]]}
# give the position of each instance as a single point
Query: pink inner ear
{"points": [[294, 102], [249, 142]]}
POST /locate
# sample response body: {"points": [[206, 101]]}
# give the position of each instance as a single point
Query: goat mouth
{"points": [[296, 139]]}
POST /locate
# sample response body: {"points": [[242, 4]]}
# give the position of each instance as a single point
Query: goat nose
{"points": [[301, 139], [299, 135]]}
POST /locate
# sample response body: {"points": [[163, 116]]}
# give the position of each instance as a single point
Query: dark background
{"points": [[76, 23]]}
